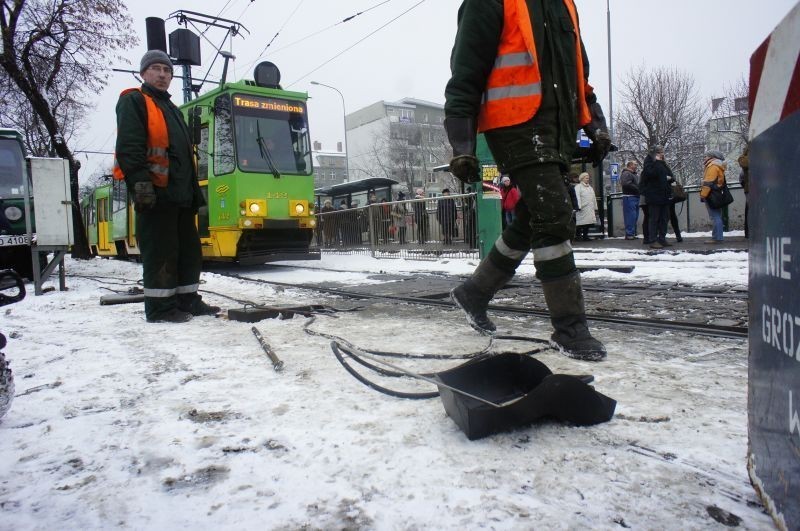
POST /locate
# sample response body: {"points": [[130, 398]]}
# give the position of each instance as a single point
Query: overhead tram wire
{"points": [[357, 42], [346, 19], [277, 33]]}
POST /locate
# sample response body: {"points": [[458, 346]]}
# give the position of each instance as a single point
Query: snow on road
{"points": [[120, 423]]}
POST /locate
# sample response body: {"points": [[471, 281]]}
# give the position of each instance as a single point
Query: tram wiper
{"points": [[265, 152]]}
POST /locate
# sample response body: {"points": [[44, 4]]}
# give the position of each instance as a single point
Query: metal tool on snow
{"points": [[276, 363]]}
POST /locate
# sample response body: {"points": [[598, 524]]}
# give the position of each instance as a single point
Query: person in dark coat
{"points": [[328, 222], [520, 75], [420, 217], [744, 180], [673, 218], [470, 227], [630, 198], [162, 181], [657, 189], [446, 215]]}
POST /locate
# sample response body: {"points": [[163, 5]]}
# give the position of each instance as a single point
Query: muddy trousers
{"points": [[543, 221], [171, 258]]}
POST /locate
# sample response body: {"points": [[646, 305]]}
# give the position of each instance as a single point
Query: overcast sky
{"points": [[710, 39]]}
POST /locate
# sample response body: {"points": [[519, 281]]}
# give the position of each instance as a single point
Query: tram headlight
{"points": [[254, 208], [298, 208], [13, 213]]}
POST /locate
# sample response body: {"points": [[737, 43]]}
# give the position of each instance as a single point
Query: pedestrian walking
{"points": [[154, 156], [713, 179], [630, 198], [520, 76], [586, 217]]}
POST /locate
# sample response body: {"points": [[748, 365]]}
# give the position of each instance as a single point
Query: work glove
{"points": [[597, 131], [144, 196], [461, 132]]}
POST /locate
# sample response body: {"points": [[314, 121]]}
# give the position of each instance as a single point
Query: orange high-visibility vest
{"points": [[157, 143], [513, 91]]}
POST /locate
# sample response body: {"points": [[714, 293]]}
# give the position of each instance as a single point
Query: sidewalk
{"points": [[691, 242]]}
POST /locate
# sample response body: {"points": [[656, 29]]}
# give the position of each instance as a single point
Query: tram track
{"points": [[442, 301]]}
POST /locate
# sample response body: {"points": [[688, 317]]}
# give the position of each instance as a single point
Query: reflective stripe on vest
{"points": [[157, 143], [513, 91]]}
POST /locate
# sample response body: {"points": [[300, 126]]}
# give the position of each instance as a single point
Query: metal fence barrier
{"points": [[429, 228]]}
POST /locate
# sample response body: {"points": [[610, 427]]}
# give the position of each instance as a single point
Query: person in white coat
{"points": [[586, 216]]}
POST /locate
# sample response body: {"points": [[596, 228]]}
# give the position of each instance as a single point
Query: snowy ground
{"points": [[120, 423]]}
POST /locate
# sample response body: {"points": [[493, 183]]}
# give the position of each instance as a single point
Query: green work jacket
{"points": [[131, 151]]}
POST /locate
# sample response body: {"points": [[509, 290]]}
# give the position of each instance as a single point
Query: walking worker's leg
{"points": [[190, 263], [157, 232], [495, 270], [552, 226]]}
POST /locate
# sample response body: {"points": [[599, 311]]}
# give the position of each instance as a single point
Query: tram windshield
{"points": [[11, 169], [271, 134]]}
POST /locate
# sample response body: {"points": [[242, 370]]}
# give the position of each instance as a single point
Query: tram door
{"points": [[102, 225]]}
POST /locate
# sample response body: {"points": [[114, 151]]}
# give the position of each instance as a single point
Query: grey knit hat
{"points": [[714, 154], [657, 149], [153, 57]]}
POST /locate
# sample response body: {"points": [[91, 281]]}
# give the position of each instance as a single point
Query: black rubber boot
{"points": [[474, 294], [564, 298], [194, 304], [171, 316]]}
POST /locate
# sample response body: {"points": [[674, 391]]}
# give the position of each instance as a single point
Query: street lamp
{"points": [[344, 121]]}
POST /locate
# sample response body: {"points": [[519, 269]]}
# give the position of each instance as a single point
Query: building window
{"points": [[425, 118], [431, 177], [431, 157]]}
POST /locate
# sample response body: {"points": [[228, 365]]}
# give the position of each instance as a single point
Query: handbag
{"points": [[720, 197], [679, 195]]}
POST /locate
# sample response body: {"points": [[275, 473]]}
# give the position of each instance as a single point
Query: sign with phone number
{"points": [[9, 241]]}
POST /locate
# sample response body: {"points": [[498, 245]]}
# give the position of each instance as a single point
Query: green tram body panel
{"points": [[251, 216]]}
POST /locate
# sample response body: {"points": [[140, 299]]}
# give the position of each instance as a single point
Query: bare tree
{"points": [[728, 127], [405, 152], [54, 60], [661, 106]]}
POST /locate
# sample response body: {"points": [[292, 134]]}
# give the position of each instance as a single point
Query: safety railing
{"points": [[427, 228]]}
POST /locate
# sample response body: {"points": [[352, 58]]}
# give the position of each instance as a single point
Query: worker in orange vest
{"points": [[520, 75], [154, 156]]}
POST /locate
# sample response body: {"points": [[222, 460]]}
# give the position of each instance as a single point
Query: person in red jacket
{"points": [[509, 197]]}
